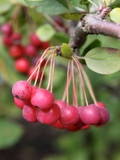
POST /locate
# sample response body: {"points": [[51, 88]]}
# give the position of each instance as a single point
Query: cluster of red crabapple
{"points": [[38, 104], [23, 55]]}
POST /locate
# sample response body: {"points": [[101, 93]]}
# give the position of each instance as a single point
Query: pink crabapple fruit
{"points": [[6, 29], [22, 65], [90, 114], [50, 116], [42, 98], [22, 90], [16, 51], [30, 50], [19, 103], [29, 113], [69, 115]]}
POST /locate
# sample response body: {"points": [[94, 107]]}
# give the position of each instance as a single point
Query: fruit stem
{"points": [[88, 84], [53, 68], [74, 91], [44, 70], [68, 81], [81, 80], [37, 64], [50, 73]]}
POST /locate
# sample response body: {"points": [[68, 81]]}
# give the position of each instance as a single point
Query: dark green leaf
{"points": [[72, 16], [96, 43], [103, 60], [62, 37], [63, 2], [50, 7], [10, 133], [115, 4]]}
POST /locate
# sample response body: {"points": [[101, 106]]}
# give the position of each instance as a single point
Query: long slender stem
{"points": [[52, 73], [65, 90], [44, 70], [68, 81], [88, 84], [37, 65], [81, 81], [74, 91]]}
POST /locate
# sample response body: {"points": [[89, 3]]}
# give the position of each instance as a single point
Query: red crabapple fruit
{"points": [[50, 116], [100, 104], [61, 103], [19, 103], [90, 114], [42, 98], [22, 65], [104, 116], [69, 115], [58, 125], [22, 90], [30, 50], [16, 51], [6, 29], [29, 113]]}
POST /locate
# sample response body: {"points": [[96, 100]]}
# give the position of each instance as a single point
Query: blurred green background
{"points": [[21, 140]]}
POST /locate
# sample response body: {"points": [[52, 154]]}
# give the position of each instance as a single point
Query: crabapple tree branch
{"points": [[93, 24]]}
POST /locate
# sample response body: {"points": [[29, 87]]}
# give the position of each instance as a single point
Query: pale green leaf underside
{"points": [[45, 32], [103, 60]]}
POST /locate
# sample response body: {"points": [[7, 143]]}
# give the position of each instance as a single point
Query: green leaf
{"points": [[75, 2], [62, 37], [49, 7], [7, 68], [22, 2], [63, 2], [116, 3], [103, 60], [33, 2], [66, 50], [4, 6], [10, 133], [72, 16], [115, 15], [45, 32]]}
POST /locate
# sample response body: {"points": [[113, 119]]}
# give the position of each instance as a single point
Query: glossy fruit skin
{"points": [[19, 103], [59, 125], [45, 45], [85, 127], [69, 115], [90, 114], [29, 113], [61, 103], [50, 116], [42, 98], [30, 50], [100, 104], [22, 90], [6, 29], [15, 38], [16, 51], [22, 65], [35, 40], [6, 40], [104, 116], [72, 128]]}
